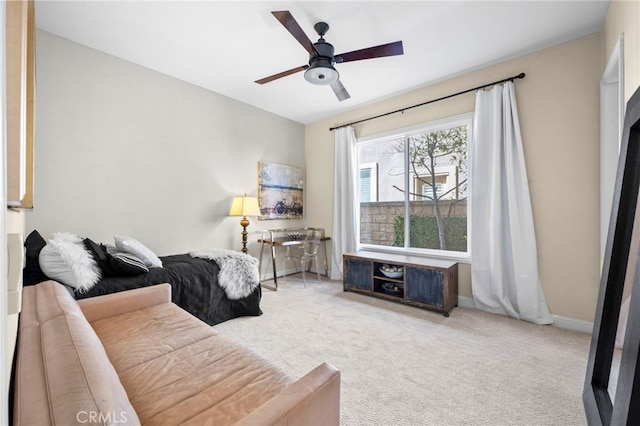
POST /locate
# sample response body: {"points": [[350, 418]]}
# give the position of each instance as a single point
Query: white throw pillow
{"points": [[65, 259], [136, 248]]}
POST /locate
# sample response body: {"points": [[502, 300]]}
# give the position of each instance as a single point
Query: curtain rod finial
{"points": [[521, 75]]}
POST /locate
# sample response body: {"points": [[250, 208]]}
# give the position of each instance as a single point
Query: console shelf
{"points": [[426, 283]]}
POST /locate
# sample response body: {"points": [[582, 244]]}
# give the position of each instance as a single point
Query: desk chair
{"points": [[306, 252]]}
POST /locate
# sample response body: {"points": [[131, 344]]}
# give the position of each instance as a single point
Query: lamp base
{"points": [[244, 222]]}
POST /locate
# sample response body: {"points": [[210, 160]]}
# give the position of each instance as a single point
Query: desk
{"points": [[286, 238]]}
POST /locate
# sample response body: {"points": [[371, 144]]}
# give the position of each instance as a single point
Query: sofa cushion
{"points": [[177, 369], [63, 374]]}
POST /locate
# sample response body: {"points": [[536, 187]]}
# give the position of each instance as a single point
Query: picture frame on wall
{"points": [[20, 100], [280, 191]]}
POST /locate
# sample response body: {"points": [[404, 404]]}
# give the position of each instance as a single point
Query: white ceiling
{"points": [[224, 46]]}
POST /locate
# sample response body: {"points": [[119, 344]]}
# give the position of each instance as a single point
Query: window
{"points": [[415, 198], [427, 191], [368, 182]]}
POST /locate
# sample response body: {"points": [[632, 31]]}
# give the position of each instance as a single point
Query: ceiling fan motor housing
{"points": [[321, 70]]}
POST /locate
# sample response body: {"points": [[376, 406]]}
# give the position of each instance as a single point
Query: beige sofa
{"points": [[136, 358]]}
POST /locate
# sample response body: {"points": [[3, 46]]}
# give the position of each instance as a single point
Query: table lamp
{"points": [[244, 206]]}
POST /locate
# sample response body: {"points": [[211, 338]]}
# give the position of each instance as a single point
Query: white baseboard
{"points": [[573, 324], [466, 302], [558, 320], [281, 273]]}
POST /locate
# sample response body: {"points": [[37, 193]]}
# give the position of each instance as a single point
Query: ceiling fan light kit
{"points": [[320, 70], [321, 74]]}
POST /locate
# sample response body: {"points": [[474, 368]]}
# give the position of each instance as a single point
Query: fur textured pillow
{"points": [[65, 259]]}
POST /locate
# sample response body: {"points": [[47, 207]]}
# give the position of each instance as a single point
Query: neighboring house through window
{"points": [[398, 207]]}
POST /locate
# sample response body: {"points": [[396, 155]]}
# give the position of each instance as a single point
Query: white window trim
{"points": [[435, 125]]}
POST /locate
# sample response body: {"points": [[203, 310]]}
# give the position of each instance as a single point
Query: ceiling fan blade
{"points": [[389, 49], [282, 74], [340, 91], [289, 22]]}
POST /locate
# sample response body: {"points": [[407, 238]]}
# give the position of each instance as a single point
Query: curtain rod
{"points": [[521, 75]]}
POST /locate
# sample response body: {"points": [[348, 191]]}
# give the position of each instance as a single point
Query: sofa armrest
{"points": [[108, 305], [314, 399]]}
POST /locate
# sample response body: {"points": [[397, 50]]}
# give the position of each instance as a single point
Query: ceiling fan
{"points": [[320, 69]]}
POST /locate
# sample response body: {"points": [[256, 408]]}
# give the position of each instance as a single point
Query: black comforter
{"points": [[194, 287]]}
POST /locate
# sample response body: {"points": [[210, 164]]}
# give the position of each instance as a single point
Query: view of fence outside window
{"points": [[413, 187]]}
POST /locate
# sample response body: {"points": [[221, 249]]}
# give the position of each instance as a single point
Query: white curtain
{"points": [[504, 267], [343, 237]]}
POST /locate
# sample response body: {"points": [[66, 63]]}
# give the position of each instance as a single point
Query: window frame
{"points": [[405, 133]]}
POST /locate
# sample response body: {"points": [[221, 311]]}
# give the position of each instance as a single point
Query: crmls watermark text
{"points": [[99, 417]]}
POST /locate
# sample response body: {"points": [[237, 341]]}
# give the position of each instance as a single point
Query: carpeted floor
{"points": [[407, 366]]}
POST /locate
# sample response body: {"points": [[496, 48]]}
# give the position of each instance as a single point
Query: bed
{"points": [[200, 281]]}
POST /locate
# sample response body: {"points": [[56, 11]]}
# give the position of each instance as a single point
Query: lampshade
{"points": [[244, 206], [321, 75]]}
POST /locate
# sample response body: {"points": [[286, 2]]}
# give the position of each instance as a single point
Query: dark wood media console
{"points": [[426, 283]]}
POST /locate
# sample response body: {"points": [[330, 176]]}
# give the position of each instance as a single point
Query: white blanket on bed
{"points": [[238, 274]]}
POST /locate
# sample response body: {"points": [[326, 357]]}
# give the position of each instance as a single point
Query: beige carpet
{"points": [[407, 366]]}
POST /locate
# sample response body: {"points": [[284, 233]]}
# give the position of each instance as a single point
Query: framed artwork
{"points": [[20, 94], [612, 395], [280, 191]]}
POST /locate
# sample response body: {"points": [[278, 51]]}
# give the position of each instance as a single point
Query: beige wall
{"points": [[558, 103]]}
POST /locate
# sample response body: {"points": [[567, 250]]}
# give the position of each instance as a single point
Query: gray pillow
{"points": [[139, 250]]}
